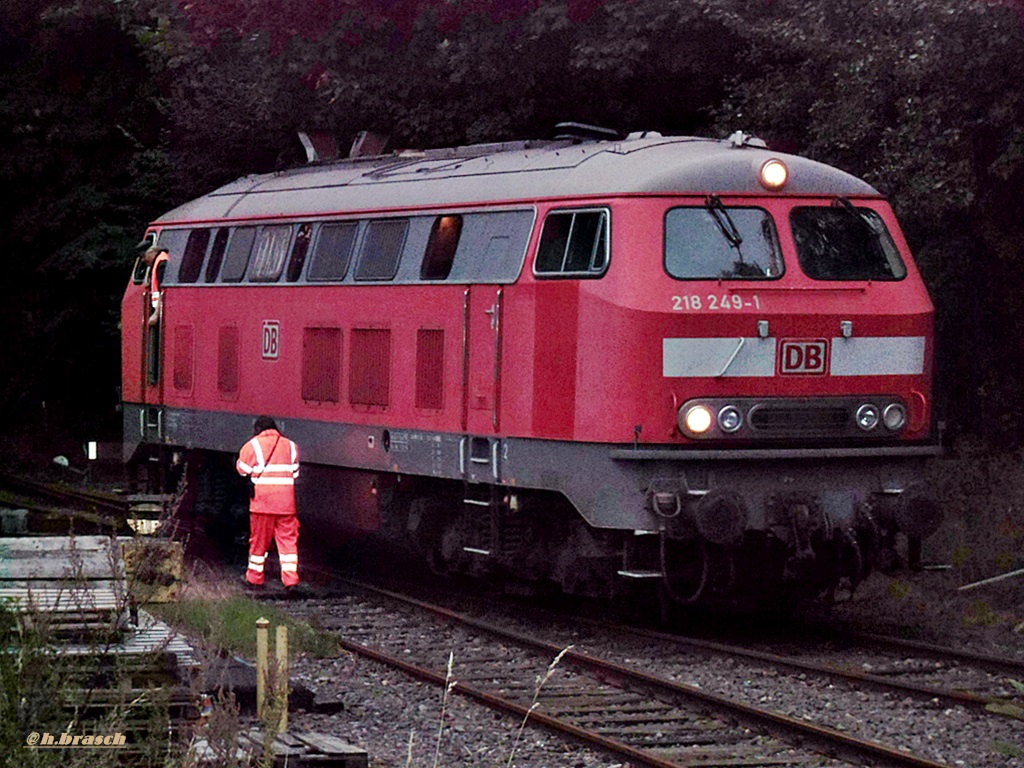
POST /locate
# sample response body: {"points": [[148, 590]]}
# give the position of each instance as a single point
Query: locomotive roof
{"points": [[515, 173]]}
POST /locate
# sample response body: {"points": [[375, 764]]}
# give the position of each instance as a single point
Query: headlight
{"points": [[698, 419], [774, 174], [867, 417], [730, 419], [894, 417]]}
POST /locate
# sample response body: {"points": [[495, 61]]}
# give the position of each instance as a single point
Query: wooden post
{"points": [[281, 695], [261, 664]]}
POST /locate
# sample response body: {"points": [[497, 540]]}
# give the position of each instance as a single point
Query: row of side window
{"points": [[471, 247]]}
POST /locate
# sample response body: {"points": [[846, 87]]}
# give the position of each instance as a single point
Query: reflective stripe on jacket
{"points": [[272, 469]]}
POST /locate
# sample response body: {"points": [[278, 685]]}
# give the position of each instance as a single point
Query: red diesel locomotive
{"points": [[594, 362]]}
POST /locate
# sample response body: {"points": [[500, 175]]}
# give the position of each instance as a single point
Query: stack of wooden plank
{"points": [[291, 750], [108, 662], [65, 586]]}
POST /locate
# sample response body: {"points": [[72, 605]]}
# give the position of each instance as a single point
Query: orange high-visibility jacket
{"points": [[272, 469]]}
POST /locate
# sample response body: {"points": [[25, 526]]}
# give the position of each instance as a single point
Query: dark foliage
{"points": [[114, 111], [78, 159]]}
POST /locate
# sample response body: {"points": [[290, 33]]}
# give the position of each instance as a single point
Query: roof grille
{"points": [[584, 132]]}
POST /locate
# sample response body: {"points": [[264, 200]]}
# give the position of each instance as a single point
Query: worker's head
{"points": [[262, 424]]}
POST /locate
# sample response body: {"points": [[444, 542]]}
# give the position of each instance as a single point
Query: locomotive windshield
{"points": [[845, 243], [715, 242]]}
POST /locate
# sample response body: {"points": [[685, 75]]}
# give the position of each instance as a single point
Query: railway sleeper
{"points": [[639, 708], [638, 719], [657, 734], [721, 759]]}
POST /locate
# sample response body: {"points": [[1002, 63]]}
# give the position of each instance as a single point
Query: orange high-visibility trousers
{"points": [[282, 529]]}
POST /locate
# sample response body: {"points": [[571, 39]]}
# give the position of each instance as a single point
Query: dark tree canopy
{"points": [[114, 111]]}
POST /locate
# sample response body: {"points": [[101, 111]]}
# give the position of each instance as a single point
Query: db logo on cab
{"points": [[803, 357], [271, 339]]}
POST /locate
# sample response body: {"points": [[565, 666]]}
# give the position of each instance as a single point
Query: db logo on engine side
{"points": [[803, 357], [271, 339]]}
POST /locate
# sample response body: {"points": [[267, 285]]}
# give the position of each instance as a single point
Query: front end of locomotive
{"points": [[780, 523], [795, 352]]}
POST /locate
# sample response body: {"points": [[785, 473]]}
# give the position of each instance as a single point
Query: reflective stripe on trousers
{"points": [[283, 530]]}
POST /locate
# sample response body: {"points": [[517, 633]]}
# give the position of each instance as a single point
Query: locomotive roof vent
{"points": [[578, 132], [740, 139], [319, 146], [637, 135], [368, 144]]}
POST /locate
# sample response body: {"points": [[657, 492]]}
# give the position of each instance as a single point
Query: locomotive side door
{"points": [[481, 376], [134, 314], [152, 380], [141, 382]]}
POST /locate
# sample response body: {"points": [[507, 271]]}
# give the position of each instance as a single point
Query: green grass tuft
{"points": [[1004, 749], [230, 624]]}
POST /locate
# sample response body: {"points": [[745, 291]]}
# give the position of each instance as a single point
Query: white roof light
{"points": [[774, 174]]}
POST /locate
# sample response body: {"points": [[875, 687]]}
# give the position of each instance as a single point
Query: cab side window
{"points": [[381, 249], [195, 252], [573, 244], [237, 257], [271, 250], [220, 244], [441, 247], [299, 250], [333, 251]]}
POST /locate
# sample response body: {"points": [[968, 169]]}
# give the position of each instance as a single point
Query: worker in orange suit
{"points": [[271, 461]]}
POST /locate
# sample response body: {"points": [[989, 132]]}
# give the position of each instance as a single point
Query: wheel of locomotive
{"points": [[695, 569], [426, 526], [686, 564]]}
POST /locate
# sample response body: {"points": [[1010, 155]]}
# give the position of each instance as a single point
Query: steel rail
{"points": [[1000, 664], [789, 729], [49, 490], [927, 691], [591, 738]]}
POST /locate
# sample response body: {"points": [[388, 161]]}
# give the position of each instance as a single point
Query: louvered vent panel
{"points": [[321, 364], [183, 362], [370, 366], [227, 359], [805, 419], [430, 369]]}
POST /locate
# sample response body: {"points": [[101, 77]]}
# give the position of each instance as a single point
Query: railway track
{"points": [[928, 672], [995, 664], [925, 671], [890, 665], [613, 704], [43, 497]]}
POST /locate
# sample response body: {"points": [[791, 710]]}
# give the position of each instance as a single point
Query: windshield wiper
{"points": [[724, 221], [769, 241], [874, 226], [732, 235]]}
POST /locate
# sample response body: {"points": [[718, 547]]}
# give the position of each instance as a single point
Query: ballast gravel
{"points": [[384, 711], [404, 723], [401, 722]]}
